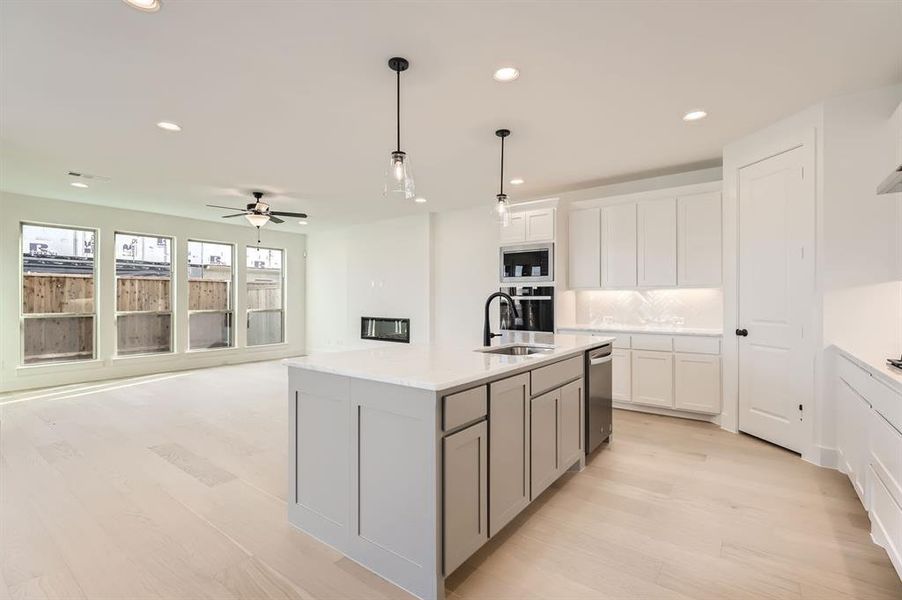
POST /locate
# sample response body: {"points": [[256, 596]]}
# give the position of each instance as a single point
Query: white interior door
{"points": [[776, 281]]}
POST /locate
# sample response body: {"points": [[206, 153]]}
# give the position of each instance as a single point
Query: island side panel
{"points": [[395, 485], [319, 455]]}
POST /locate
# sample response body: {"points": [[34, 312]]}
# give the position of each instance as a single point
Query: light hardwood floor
{"points": [[175, 488]]}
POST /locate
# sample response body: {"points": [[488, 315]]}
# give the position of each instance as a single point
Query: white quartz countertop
{"points": [[435, 367], [876, 365], [656, 329]]}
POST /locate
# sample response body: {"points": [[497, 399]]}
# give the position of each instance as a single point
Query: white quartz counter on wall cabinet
{"points": [[615, 329]]}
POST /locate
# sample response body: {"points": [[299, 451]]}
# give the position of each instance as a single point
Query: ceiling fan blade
{"points": [[230, 216], [288, 214], [275, 220], [226, 207]]}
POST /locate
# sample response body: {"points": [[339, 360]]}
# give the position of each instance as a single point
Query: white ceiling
{"points": [[296, 97]]}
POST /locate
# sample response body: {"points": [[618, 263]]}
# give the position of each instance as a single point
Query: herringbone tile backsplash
{"points": [[695, 308]]}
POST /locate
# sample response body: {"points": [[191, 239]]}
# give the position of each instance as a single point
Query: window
{"points": [[143, 294], [58, 310], [210, 304], [264, 297]]}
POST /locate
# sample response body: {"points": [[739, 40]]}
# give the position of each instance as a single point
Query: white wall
{"points": [[378, 269], [465, 272], [696, 308], [17, 208]]}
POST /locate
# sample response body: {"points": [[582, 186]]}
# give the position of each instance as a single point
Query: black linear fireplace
{"points": [[385, 329]]}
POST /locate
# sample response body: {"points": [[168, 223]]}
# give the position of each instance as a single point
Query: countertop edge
{"points": [[640, 330], [529, 365], [882, 372]]}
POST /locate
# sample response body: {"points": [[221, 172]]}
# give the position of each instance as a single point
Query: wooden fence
{"points": [[52, 338]]}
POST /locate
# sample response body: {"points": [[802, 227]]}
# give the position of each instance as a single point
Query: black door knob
{"points": [[742, 332]]}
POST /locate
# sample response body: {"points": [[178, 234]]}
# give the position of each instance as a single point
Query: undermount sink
{"points": [[517, 350]]}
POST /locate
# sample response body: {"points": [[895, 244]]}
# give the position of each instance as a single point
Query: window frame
{"points": [[23, 316], [233, 297], [282, 295], [115, 297]]}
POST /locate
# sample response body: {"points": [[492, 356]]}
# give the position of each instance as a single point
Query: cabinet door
{"points": [[699, 248], [656, 254], [540, 225], [465, 494], [653, 378], [618, 246], [516, 230], [570, 424], [585, 248], [621, 378], [509, 451], [543, 450], [696, 379]]}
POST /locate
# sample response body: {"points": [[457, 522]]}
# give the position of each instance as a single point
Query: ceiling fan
{"points": [[258, 213]]}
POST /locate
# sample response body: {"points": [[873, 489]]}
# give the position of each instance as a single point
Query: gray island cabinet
{"points": [[408, 459]]}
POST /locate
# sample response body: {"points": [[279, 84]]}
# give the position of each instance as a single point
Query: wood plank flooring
{"points": [[175, 488]]}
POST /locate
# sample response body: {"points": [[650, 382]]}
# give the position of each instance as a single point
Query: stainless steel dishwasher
{"points": [[599, 402]]}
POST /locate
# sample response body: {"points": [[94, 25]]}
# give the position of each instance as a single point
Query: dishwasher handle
{"points": [[601, 361]]}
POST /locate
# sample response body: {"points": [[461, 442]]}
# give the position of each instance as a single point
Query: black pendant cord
{"points": [[398, 108], [502, 165]]}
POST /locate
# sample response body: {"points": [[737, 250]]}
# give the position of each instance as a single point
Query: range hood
{"points": [[891, 184]]}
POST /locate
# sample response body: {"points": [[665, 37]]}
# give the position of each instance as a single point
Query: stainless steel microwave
{"points": [[527, 263]]}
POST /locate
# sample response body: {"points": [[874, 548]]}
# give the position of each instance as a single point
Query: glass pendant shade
{"points": [[398, 178], [257, 220], [501, 211]]}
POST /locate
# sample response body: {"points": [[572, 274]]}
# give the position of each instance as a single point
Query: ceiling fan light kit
{"points": [[259, 213]]}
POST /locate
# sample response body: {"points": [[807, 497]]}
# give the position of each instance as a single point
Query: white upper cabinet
{"points": [[540, 225], [515, 232], [535, 225], [657, 243], [585, 248], [618, 246], [699, 240]]}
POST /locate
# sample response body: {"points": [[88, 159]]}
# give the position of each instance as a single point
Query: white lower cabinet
{"points": [[653, 378], [509, 450], [869, 450], [696, 382], [621, 378], [465, 493]]}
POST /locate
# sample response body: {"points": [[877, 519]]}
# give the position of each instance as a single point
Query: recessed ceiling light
{"points": [[694, 115], [168, 126], [78, 184], [302, 222], [144, 5], [517, 181], [506, 74], [419, 200]]}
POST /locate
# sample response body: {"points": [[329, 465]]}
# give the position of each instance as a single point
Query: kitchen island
{"points": [[408, 458]]}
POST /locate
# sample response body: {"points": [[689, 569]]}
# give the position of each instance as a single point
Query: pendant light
{"points": [[501, 210], [398, 177]]}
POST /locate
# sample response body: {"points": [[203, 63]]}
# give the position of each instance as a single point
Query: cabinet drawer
{"points": [[621, 341], [884, 400], [463, 407], [885, 453], [886, 517], [664, 343], [696, 345], [555, 375]]}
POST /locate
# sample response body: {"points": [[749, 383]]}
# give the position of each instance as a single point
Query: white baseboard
{"points": [[666, 412]]}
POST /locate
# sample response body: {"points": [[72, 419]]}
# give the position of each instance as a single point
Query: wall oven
{"points": [[529, 263], [535, 307]]}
